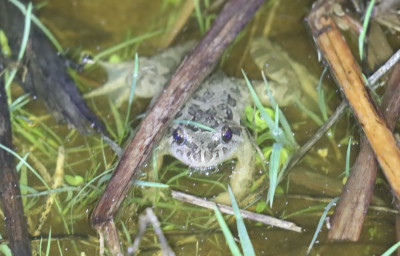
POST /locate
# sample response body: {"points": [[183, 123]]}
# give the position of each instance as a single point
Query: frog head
{"points": [[203, 149]]}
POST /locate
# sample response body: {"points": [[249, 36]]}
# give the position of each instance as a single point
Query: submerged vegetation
{"points": [[42, 144]]}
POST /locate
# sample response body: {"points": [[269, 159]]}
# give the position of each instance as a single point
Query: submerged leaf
{"points": [[74, 180]]}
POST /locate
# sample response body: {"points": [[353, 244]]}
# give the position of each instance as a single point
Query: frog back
{"points": [[218, 104]]}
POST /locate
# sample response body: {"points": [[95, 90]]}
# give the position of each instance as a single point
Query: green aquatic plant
{"points": [[203, 19], [4, 46], [391, 250], [321, 221], [274, 168], [285, 138], [21, 52], [135, 75], [321, 97], [124, 44], [227, 233], [361, 38], [244, 238], [40, 25], [196, 124]]}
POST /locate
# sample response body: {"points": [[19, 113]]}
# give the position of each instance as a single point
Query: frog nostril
{"points": [[226, 134], [178, 136]]}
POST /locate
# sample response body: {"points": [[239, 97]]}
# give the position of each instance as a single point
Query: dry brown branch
{"points": [[346, 71], [356, 195], [353, 204], [340, 110], [198, 65], [10, 193], [228, 210], [108, 232]]}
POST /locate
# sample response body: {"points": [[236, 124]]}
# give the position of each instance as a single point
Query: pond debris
{"points": [[268, 220], [58, 178], [353, 84], [145, 219]]}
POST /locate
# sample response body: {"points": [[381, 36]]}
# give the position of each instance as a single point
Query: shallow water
{"points": [[92, 26]]}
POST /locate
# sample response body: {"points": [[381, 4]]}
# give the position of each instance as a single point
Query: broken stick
{"points": [[10, 193], [193, 70], [354, 201], [346, 71]]}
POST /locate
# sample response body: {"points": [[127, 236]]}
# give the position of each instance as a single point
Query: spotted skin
{"points": [[218, 103]]}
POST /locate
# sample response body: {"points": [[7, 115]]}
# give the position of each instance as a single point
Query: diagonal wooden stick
{"points": [[353, 204], [198, 65], [348, 74]]}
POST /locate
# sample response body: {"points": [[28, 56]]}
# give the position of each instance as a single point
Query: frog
{"points": [[218, 104]]}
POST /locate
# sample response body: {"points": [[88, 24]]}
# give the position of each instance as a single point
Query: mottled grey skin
{"points": [[153, 74], [219, 103]]}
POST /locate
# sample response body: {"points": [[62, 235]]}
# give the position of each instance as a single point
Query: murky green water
{"points": [[95, 25]]}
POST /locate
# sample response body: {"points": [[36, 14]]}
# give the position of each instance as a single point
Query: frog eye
{"points": [[226, 133], [178, 136]]}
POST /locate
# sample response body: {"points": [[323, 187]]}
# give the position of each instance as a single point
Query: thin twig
{"points": [[144, 220], [228, 210]]}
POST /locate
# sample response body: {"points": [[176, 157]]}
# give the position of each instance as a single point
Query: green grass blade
{"points": [[361, 38], [154, 163], [134, 79], [277, 134], [391, 250], [38, 23], [19, 102], [27, 28], [321, 97], [60, 250], [227, 233], [199, 17], [132, 89], [24, 41], [247, 247], [25, 163], [125, 231], [321, 221], [283, 121], [276, 118], [40, 246], [273, 171], [122, 45], [150, 184], [46, 128], [40, 179], [310, 114], [48, 243], [193, 123], [87, 185], [347, 170]]}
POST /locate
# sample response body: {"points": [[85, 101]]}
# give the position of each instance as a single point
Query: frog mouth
{"points": [[202, 159]]}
